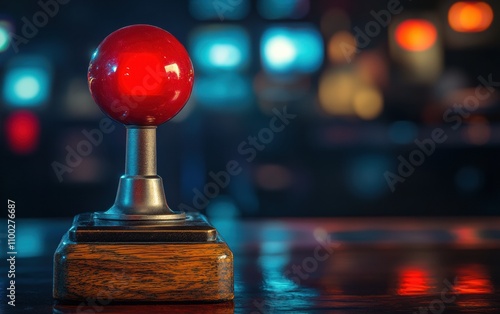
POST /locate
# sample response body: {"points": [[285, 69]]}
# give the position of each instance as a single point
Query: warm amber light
{"points": [[368, 103], [342, 47], [343, 94], [470, 17], [416, 35], [336, 91]]}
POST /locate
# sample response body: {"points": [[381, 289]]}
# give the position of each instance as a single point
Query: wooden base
{"points": [[151, 271]]}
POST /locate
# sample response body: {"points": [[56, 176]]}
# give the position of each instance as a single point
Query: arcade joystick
{"points": [[140, 249]]}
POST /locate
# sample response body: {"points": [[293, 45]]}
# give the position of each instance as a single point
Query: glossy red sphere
{"points": [[141, 75]]}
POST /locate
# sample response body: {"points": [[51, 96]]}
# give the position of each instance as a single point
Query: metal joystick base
{"points": [[140, 250], [140, 192]]}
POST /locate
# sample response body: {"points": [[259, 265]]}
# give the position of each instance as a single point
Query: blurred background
{"points": [[328, 108]]}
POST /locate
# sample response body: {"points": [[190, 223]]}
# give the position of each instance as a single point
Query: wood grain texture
{"points": [[118, 272]]}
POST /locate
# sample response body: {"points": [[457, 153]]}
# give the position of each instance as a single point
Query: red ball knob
{"points": [[141, 75]]}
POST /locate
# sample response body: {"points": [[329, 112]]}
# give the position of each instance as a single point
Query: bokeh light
{"points": [[341, 47], [27, 82], [224, 91], [280, 51], [291, 50], [222, 207], [344, 94], [416, 34], [336, 90], [473, 279], [372, 68], [31, 240], [368, 103], [414, 281], [27, 87], [5, 30], [470, 16], [22, 129], [218, 48], [416, 48]]}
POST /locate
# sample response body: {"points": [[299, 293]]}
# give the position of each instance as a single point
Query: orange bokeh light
{"points": [[416, 35], [470, 17]]}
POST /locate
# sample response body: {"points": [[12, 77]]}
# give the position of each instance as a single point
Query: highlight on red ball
{"points": [[138, 80], [141, 75]]}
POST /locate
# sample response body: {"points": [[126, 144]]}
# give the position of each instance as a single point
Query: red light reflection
{"points": [[414, 281], [473, 279]]}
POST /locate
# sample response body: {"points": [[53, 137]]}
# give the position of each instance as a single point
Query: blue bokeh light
{"points": [[27, 82], [30, 239], [225, 91], [222, 207], [4, 37], [220, 48], [219, 9], [283, 9], [6, 30], [292, 50]]}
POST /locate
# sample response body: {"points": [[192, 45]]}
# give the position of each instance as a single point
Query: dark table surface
{"points": [[331, 265]]}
